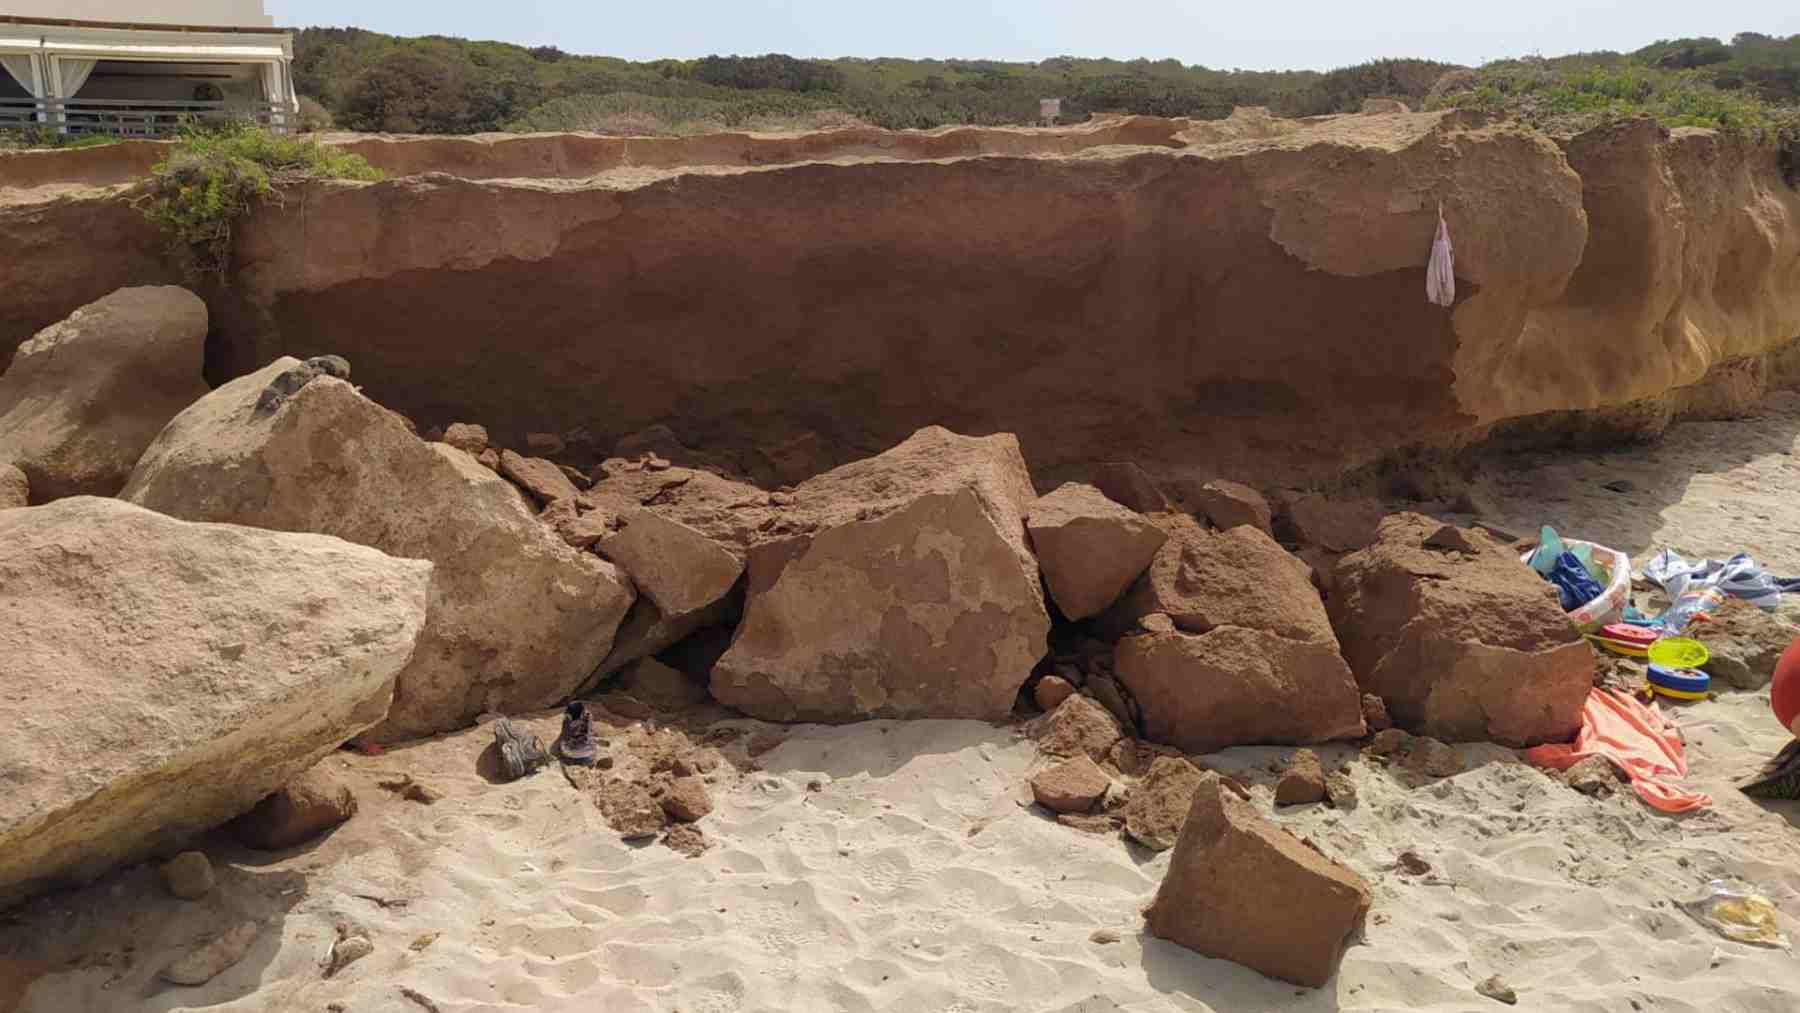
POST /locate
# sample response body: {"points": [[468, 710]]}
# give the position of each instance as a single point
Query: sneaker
{"points": [[577, 742]]}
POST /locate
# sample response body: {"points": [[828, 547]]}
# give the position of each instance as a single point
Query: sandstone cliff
{"points": [[1242, 298]]}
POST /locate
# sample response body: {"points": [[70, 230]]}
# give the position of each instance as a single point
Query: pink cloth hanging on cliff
{"points": [[1635, 738], [1440, 276]]}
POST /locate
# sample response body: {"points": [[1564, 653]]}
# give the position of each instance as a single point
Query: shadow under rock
{"points": [[1223, 985]]}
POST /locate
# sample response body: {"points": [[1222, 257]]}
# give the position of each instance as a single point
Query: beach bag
{"points": [[1440, 275]]}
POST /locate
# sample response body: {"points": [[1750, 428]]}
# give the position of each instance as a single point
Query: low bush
{"points": [[215, 174]]}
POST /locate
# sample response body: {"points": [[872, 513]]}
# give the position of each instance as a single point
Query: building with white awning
{"points": [[99, 66]]}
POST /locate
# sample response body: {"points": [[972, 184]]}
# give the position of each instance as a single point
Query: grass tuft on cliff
{"points": [[215, 174]]}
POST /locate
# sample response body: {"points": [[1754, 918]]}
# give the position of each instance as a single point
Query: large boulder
{"points": [[1236, 686], [1240, 888], [1090, 548], [85, 396], [906, 591], [1246, 654], [518, 619], [684, 581], [161, 677], [1461, 641]]}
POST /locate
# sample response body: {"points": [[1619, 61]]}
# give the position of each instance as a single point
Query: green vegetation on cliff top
{"points": [[369, 81]]}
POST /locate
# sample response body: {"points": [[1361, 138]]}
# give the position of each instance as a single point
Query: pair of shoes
{"points": [[577, 742]]}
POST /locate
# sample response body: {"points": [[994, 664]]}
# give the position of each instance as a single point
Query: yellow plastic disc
{"points": [[1679, 652]]}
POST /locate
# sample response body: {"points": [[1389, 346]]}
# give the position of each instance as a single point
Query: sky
{"points": [[1271, 35]]}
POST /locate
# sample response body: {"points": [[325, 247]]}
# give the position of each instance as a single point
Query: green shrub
{"points": [[36, 137], [313, 116], [214, 175]]}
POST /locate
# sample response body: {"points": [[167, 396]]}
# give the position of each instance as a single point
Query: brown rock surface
{"points": [[15, 489], [1237, 686], [1569, 293], [542, 479], [251, 654], [85, 396], [1462, 647], [1051, 691], [658, 685], [1072, 786], [1227, 865], [467, 436], [1303, 780], [911, 595], [517, 620], [1077, 727], [1129, 485], [1206, 579], [686, 800], [296, 813], [1160, 803], [1335, 524], [1090, 548], [1225, 505]]}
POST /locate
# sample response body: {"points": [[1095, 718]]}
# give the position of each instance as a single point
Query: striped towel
{"points": [[1738, 576]]}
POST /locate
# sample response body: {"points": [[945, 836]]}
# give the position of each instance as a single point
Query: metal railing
{"points": [[134, 117]]}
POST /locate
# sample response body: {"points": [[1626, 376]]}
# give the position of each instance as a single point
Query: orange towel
{"points": [[1638, 740]]}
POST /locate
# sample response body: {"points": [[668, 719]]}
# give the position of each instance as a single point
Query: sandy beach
{"points": [[901, 867]]}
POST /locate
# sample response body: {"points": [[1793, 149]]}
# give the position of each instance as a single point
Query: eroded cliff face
{"points": [[1243, 298]]}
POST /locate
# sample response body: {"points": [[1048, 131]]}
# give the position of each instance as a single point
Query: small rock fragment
{"points": [[1592, 776], [1159, 805], [1498, 990], [188, 875], [469, 438], [1050, 691], [1389, 741], [15, 489], [686, 839], [1375, 714], [686, 800], [307, 807], [1105, 826], [1077, 727], [1072, 786], [545, 444], [542, 479], [631, 810], [1340, 790], [352, 945], [206, 961], [1412, 864], [1303, 781], [1104, 937], [1433, 758], [490, 459]]}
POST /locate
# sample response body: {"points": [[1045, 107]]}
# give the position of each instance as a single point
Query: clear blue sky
{"points": [[1272, 34]]}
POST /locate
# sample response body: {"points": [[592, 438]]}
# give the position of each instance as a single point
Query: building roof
{"points": [[142, 26]]}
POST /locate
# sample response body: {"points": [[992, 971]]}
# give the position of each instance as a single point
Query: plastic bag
{"points": [[1440, 276], [1738, 915], [1550, 548]]}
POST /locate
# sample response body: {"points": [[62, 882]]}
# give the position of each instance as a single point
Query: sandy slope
{"points": [[914, 878]]}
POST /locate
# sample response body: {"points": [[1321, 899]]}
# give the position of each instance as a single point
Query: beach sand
{"points": [[899, 866]]}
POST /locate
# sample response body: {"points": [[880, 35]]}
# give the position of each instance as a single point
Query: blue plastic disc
{"points": [[1682, 680]]}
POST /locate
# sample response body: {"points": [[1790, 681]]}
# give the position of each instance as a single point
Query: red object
{"points": [[1784, 691], [1625, 633], [1635, 738]]}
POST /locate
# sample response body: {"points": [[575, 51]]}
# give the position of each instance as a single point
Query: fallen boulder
{"points": [[517, 620], [1302, 781], [1460, 645], [1160, 803], [1072, 786], [1236, 686], [1225, 505], [296, 813], [1337, 525], [906, 591], [163, 676], [1077, 727], [683, 579], [542, 479], [85, 396], [1236, 647], [1216, 897], [1090, 548], [1126, 483]]}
